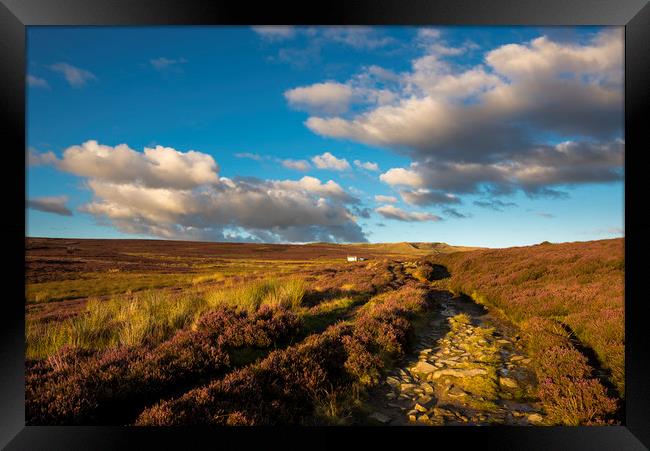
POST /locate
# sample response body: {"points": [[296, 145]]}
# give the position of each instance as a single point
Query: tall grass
{"points": [[287, 293], [317, 381], [150, 317]]}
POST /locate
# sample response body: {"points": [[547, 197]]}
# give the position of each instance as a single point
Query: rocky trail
{"points": [[467, 368]]}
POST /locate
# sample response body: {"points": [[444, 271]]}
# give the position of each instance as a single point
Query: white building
{"points": [[352, 258]]}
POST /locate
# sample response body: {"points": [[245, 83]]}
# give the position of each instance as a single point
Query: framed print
{"points": [[251, 225]]}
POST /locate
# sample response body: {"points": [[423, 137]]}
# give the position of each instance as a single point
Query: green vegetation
{"points": [[299, 340], [485, 356], [286, 293], [101, 284], [152, 316], [327, 313], [145, 317], [555, 292]]}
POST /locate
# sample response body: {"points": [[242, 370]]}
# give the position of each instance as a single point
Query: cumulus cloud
{"points": [[329, 161], [75, 76], [269, 210], [51, 204], [368, 165], [402, 176], [386, 199], [299, 165], [325, 98], [156, 167], [36, 82], [172, 194], [275, 32], [330, 189], [533, 171], [483, 128], [36, 158], [393, 212], [433, 115]]}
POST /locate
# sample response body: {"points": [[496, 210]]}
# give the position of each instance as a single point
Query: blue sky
{"points": [[491, 136]]}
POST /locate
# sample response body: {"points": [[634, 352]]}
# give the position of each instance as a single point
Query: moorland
{"points": [[152, 332]]}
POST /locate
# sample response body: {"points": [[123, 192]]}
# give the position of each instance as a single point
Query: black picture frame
{"points": [[15, 15]]}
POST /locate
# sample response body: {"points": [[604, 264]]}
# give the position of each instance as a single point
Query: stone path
{"points": [[467, 369]]}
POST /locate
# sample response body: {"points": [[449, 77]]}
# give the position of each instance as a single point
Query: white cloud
{"points": [[36, 158], [172, 194], [36, 82], [156, 167], [429, 34], [330, 189], [393, 212], [267, 210], [299, 165], [468, 128], [601, 58], [431, 39], [385, 199], [382, 74], [402, 176], [329, 161], [275, 32], [75, 76], [326, 98], [368, 165], [50, 204]]}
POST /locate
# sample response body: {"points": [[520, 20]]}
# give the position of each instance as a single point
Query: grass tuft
{"points": [[150, 317]]}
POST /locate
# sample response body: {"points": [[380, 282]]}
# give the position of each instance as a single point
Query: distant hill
{"points": [[155, 250], [406, 248]]}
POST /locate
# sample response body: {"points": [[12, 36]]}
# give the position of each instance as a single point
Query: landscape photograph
{"points": [[325, 226]]}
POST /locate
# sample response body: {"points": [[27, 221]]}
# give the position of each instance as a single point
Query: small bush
{"points": [[580, 284], [268, 326], [78, 386], [576, 401], [309, 383]]}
